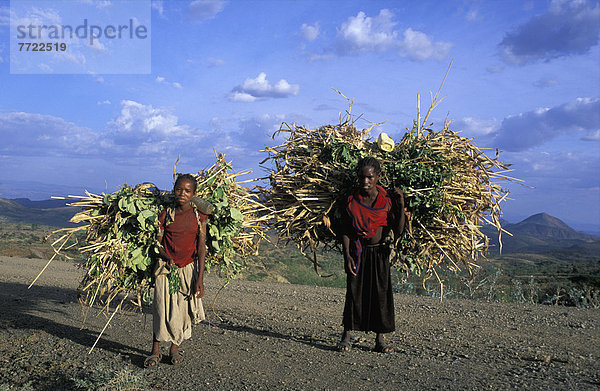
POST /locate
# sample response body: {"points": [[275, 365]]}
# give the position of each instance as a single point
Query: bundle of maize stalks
{"points": [[120, 244], [448, 184]]}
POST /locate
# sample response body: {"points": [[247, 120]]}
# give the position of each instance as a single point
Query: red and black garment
{"points": [[366, 220]]}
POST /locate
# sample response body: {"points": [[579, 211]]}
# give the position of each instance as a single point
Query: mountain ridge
{"points": [[57, 216], [540, 232]]}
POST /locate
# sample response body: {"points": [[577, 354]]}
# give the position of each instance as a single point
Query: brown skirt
{"points": [[369, 295], [173, 315]]}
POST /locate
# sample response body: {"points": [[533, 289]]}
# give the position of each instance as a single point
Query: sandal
{"points": [[343, 346], [152, 360], [381, 347], [176, 358]]}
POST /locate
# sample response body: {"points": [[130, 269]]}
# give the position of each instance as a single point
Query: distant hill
{"points": [[44, 204], [13, 211], [541, 233]]}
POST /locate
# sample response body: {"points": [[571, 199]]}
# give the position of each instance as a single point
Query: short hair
{"points": [[369, 162], [186, 177]]}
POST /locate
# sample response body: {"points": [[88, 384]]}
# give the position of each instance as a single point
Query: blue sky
{"points": [[223, 75]]}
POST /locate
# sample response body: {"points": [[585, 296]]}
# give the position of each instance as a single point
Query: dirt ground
{"points": [[269, 336]]}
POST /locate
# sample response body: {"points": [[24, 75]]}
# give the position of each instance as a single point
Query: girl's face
{"points": [[184, 191], [367, 179]]}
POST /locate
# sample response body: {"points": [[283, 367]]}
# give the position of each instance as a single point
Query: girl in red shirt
{"points": [[182, 238]]}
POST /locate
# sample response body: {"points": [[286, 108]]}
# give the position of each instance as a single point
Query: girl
{"points": [[369, 296], [181, 238]]}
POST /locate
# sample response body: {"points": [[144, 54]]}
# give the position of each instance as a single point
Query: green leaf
{"points": [[236, 214], [213, 231], [123, 204], [131, 207]]}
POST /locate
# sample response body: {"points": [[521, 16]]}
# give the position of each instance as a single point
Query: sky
{"points": [[208, 75]]}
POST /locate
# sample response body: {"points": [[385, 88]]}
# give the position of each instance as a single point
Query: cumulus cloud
{"points": [[260, 88], [576, 169], [30, 134], [201, 10], [526, 130], [309, 32], [419, 46], [362, 33], [475, 127], [569, 27], [139, 130]]}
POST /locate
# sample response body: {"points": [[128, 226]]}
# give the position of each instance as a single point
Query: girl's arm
{"points": [[201, 251], [349, 262], [162, 253]]}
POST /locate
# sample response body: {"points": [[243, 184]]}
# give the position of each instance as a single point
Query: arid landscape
{"points": [[282, 336]]}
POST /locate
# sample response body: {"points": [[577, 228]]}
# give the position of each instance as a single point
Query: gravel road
{"points": [[270, 336]]}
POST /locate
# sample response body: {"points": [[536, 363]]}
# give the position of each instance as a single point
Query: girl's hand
{"points": [[350, 265], [398, 196], [199, 289]]}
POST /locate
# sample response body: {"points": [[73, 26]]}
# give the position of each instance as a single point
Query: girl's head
{"points": [[186, 177], [368, 171], [184, 189], [369, 162]]}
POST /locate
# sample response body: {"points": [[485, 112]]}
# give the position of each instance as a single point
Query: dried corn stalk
{"points": [[449, 185], [120, 234]]}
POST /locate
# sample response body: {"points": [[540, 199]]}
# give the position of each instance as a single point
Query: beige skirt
{"points": [[174, 314]]}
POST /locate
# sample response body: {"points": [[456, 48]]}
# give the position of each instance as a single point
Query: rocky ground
{"points": [[281, 337]]}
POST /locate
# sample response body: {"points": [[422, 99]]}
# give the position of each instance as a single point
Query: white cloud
{"points": [[309, 32], [559, 169], [162, 80], [142, 130], [201, 10], [261, 88], [237, 96], [30, 134], [103, 102], [569, 27], [526, 130], [592, 136], [361, 33], [471, 126], [419, 46]]}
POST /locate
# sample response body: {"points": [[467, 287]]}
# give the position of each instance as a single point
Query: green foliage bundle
{"points": [[120, 246], [448, 184]]}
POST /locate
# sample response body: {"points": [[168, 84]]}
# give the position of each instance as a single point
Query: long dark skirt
{"points": [[369, 295]]}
